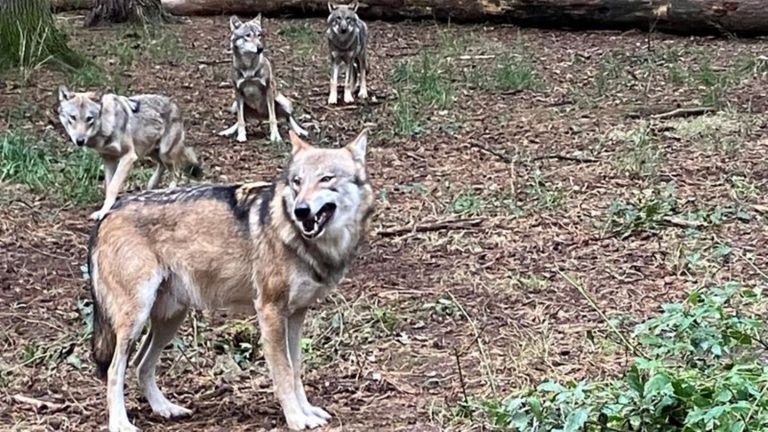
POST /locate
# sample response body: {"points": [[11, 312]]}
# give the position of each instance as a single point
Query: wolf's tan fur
{"points": [[158, 254]]}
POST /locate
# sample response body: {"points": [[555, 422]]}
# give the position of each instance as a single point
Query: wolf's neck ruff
{"points": [[347, 41]]}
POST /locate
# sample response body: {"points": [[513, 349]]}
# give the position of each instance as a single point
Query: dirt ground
{"points": [[589, 173]]}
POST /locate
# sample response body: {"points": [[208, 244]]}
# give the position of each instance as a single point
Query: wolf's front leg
{"points": [[349, 82], [333, 97], [295, 323], [113, 188], [363, 65], [274, 133], [273, 323]]}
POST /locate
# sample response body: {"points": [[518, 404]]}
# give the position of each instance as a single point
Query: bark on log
{"points": [[741, 17]]}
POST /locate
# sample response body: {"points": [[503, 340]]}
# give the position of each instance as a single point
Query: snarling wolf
{"points": [[255, 87], [348, 41], [124, 129], [273, 248]]}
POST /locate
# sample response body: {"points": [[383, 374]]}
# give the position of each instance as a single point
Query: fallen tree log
{"points": [[736, 17]]}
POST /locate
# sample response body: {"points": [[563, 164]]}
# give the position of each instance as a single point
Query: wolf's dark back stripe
{"points": [[265, 205], [238, 197]]}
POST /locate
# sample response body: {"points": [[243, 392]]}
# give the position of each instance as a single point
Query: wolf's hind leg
{"points": [[161, 333], [127, 325]]}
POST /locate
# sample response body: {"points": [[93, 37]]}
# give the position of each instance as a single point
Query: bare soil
{"points": [[530, 176]]}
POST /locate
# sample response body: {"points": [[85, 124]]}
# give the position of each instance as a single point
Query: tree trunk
{"points": [[29, 38], [120, 11], [743, 17]]}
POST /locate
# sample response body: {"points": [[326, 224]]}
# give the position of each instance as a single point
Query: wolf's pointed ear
{"points": [[97, 95], [359, 146], [234, 23], [332, 6], [354, 5], [258, 19], [297, 143], [64, 93]]}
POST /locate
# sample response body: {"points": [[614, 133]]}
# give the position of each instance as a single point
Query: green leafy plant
{"points": [[647, 211], [698, 369]]}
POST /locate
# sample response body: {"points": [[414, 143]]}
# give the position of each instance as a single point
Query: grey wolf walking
{"points": [[255, 88], [270, 248], [124, 129], [348, 42]]}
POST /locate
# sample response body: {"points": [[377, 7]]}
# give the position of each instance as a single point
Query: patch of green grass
{"points": [[515, 72], [88, 77], [66, 173], [743, 188], [643, 154], [722, 132], [165, 46], [422, 85], [544, 195], [467, 202], [302, 36], [715, 84], [610, 75], [647, 211]]}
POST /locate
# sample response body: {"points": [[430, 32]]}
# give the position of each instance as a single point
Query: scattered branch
{"points": [[491, 151], [632, 347], [567, 158], [448, 224], [684, 223], [683, 112], [39, 404]]}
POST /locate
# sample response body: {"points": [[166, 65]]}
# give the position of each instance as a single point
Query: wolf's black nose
{"points": [[80, 141], [301, 211], [259, 50]]}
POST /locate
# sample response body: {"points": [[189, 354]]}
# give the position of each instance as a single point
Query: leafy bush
{"points": [[698, 369]]}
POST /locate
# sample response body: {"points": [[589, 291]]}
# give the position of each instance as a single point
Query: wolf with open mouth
{"points": [[273, 248]]}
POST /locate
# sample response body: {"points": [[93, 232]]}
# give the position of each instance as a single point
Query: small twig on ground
{"points": [[667, 112], [480, 345], [632, 347], [39, 404], [751, 264], [214, 62], [567, 158], [760, 208], [683, 112], [472, 57], [676, 221], [461, 379], [489, 150], [448, 224]]}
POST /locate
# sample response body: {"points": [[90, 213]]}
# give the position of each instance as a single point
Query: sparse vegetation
{"points": [[500, 156], [697, 368]]}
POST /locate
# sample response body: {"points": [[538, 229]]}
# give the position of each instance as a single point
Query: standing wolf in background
{"points": [[273, 248], [348, 41], [124, 129], [256, 92]]}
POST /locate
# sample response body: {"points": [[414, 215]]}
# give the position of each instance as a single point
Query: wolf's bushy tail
{"points": [[103, 339]]}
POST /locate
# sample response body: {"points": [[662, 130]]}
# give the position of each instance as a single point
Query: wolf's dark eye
{"points": [[326, 179], [296, 181], [89, 119]]}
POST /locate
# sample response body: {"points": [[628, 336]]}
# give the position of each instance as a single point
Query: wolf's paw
{"points": [[363, 94], [333, 99], [303, 421], [241, 136], [228, 131], [123, 426], [99, 215], [275, 138], [348, 97], [170, 410], [311, 410]]}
